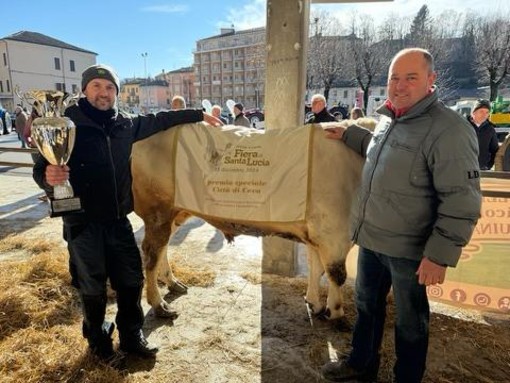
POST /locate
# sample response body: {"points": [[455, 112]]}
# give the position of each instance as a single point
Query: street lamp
{"points": [[144, 55]]}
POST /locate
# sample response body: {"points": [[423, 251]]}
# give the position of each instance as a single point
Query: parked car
{"points": [[255, 116], [340, 112]]}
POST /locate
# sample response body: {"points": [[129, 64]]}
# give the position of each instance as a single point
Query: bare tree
{"points": [[327, 53], [439, 36], [394, 29], [491, 37], [369, 56], [445, 44]]}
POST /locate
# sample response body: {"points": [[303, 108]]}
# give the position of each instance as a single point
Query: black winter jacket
{"points": [[322, 116], [487, 143], [100, 167]]}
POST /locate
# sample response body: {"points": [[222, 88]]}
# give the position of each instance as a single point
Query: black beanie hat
{"points": [[99, 71], [239, 106], [482, 103]]}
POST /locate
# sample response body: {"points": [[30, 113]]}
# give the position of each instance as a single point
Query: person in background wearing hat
{"points": [[487, 137], [240, 119], [100, 239], [319, 110]]}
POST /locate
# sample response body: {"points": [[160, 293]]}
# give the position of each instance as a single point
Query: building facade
{"points": [[144, 95], [231, 65], [30, 60], [129, 95], [181, 83], [154, 96]]}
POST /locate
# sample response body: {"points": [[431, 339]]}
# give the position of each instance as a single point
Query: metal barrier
{"points": [[494, 184], [19, 150]]}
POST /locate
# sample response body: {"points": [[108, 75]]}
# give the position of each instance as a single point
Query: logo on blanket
{"points": [[243, 156], [237, 155]]}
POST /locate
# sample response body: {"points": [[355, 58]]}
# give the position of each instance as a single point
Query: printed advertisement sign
{"points": [[482, 277]]}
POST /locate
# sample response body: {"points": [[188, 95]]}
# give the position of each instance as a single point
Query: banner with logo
{"points": [[482, 276], [481, 279], [243, 174]]}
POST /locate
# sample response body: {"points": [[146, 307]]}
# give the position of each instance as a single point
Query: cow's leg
{"points": [[167, 277], [165, 274], [315, 271], [333, 258], [154, 247]]}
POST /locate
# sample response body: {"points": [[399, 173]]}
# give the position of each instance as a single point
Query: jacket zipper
{"points": [[363, 204], [108, 141]]}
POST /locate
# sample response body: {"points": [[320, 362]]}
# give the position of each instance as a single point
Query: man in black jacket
{"points": [[100, 239], [487, 137], [319, 110]]}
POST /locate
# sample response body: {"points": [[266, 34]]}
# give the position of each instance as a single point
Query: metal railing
{"points": [[499, 184], [499, 189], [19, 150]]}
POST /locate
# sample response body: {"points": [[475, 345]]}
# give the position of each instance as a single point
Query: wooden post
{"points": [[286, 45]]}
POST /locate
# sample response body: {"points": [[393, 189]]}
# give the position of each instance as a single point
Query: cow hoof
{"points": [[324, 314], [164, 311], [178, 287]]}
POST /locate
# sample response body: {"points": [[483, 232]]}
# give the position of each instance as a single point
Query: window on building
{"points": [[5, 59], [8, 85], [57, 63], [381, 93], [75, 88], [346, 93], [60, 86], [72, 67], [1, 87]]}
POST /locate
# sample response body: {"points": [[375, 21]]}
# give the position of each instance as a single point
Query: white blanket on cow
{"points": [[243, 174]]}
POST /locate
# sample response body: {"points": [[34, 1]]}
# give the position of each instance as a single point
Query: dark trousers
{"points": [[103, 250], [375, 275]]}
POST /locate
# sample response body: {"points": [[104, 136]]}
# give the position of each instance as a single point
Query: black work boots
{"points": [[97, 332], [129, 319], [137, 344]]}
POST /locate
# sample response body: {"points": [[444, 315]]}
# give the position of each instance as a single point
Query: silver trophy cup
{"points": [[54, 136]]}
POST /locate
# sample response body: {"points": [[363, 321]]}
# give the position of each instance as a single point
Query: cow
{"points": [[335, 171]]}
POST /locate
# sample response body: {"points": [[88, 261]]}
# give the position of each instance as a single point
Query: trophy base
{"points": [[60, 207]]}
